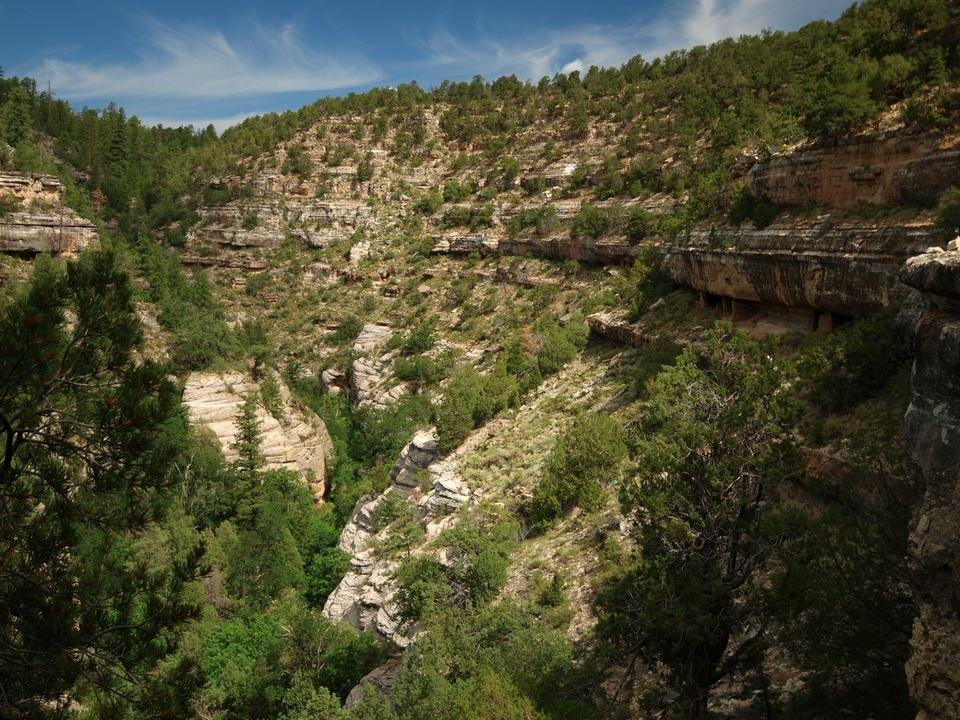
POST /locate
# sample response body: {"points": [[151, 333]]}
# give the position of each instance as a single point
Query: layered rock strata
{"points": [[933, 430], [297, 440], [364, 598], [265, 222], [844, 268], [864, 170], [606, 251], [616, 328], [371, 374], [41, 222]]}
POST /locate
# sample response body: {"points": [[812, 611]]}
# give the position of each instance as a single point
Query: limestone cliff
{"points": [[933, 428], [40, 222], [265, 222], [849, 268], [890, 169], [364, 597], [297, 440]]}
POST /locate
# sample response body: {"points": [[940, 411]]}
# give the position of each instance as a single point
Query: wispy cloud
{"points": [[711, 20], [680, 25], [193, 62], [548, 53]]}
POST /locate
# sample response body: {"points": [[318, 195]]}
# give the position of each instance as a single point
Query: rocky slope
{"points": [[364, 598], [448, 490], [367, 249]]}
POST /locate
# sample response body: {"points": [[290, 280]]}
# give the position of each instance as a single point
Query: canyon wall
{"points": [[295, 440], [933, 430], [894, 169], [847, 268], [266, 221], [38, 221]]}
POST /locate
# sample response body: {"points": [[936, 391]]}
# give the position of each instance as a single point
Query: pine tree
{"points": [[88, 436], [715, 442], [247, 443], [15, 116]]}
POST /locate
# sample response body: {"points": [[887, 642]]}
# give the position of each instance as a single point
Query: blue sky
{"points": [[181, 62]]}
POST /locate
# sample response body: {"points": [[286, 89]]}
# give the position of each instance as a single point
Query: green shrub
{"points": [[509, 171], [608, 182], [420, 369], [534, 185], [558, 345], [454, 192], [391, 508], [421, 587], [639, 224], [496, 662], [9, 204], [747, 206], [948, 211], [854, 362], [270, 394], [583, 460], [420, 339], [365, 168], [257, 283], [479, 555], [346, 331], [232, 655], [590, 222], [486, 575], [323, 573], [428, 203], [651, 359], [336, 154], [475, 217], [552, 595], [455, 415], [544, 219], [297, 161], [458, 216], [645, 283]]}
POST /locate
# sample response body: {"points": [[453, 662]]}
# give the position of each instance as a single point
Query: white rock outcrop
{"points": [[298, 440], [371, 375], [364, 598]]}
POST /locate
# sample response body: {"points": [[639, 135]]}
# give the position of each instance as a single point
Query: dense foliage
{"points": [[582, 463], [89, 438]]}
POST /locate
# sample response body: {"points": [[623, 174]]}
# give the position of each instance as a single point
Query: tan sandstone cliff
{"points": [[297, 440]]}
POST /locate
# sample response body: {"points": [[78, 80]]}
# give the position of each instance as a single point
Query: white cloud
{"points": [[220, 123], [192, 62], [712, 20], [680, 25]]}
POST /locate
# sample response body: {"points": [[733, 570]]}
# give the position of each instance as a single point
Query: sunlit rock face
{"points": [[863, 170], [365, 596], [296, 440], [933, 428], [39, 222], [266, 222]]}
